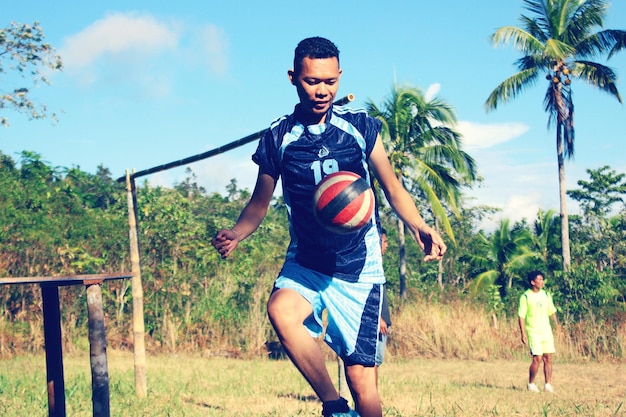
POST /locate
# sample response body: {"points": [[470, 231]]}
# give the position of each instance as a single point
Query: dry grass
{"points": [[192, 385], [443, 360], [458, 330]]}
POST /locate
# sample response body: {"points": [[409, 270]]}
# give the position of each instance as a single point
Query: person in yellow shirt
{"points": [[534, 312]]}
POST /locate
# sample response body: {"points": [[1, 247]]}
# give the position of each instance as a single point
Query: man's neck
{"points": [[309, 119]]}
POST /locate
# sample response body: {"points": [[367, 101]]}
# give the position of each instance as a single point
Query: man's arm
{"points": [[226, 240], [522, 328], [402, 203], [556, 322]]}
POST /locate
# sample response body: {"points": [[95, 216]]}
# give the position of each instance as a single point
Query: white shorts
{"points": [[539, 346]]}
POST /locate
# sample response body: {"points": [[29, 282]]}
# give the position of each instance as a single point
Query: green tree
{"points": [[504, 254], [425, 153], [545, 239], [558, 39], [600, 234], [597, 196], [23, 50]]}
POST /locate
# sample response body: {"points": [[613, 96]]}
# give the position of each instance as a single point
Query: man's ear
{"points": [[291, 74]]}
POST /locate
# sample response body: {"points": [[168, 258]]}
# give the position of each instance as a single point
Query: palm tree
{"points": [[501, 256], [425, 153], [543, 237], [558, 40]]}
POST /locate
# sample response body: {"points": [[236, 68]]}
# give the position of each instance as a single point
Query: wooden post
{"points": [[341, 376], [54, 350], [139, 345], [98, 353]]}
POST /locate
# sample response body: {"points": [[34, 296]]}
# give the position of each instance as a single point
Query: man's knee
{"points": [[287, 307], [362, 379]]}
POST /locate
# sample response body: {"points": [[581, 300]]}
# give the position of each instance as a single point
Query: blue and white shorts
{"points": [[380, 349], [353, 311]]}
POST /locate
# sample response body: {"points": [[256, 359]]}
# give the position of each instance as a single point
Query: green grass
{"points": [[192, 385]]}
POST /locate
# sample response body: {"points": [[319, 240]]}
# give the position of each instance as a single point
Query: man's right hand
{"points": [[225, 241]]}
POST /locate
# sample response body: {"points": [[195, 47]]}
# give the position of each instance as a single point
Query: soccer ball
{"points": [[343, 202]]}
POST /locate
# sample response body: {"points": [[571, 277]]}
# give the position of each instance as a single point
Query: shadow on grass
{"points": [[484, 385], [305, 398], [203, 404]]}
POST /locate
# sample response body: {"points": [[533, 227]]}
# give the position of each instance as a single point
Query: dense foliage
{"points": [[65, 221]]}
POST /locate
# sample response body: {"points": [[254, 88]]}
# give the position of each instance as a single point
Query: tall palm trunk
{"points": [[563, 198]]}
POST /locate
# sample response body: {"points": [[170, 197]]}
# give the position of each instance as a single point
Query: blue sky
{"points": [[149, 82]]}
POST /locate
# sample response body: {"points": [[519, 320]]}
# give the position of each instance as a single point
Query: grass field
{"points": [[192, 385]]}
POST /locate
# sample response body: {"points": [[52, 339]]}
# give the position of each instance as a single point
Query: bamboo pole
{"points": [[341, 378], [139, 345], [216, 151]]}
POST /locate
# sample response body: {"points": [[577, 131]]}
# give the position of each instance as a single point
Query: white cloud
{"points": [[118, 36], [477, 136], [518, 206], [214, 47], [136, 50], [432, 91]]}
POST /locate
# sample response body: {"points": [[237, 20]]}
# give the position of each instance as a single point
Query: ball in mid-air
{"points": [[343, 202]]}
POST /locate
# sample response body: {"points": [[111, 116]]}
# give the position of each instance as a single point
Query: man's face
{"points": [[383, 243], [317, 84], [538, 282]]}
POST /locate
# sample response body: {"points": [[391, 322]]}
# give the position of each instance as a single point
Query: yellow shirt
{"points": [[536, 308]]}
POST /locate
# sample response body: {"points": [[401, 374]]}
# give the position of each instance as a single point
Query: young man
{"points": [[535, 309], [341, 273]]}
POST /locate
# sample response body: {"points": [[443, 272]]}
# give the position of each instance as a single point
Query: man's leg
{"points": [[534, 368], [547, 367], [287, 310], [363, 386]]}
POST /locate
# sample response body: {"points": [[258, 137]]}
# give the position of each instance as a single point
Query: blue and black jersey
{"points": [[301, 156]]}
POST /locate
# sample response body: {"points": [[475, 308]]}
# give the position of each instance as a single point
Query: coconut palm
{"points": [[557, 40], [544, 231], [425, 153], [500, 257]]}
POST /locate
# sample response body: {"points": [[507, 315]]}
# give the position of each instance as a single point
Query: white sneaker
{"points": [[532, 387], [548, 388]]}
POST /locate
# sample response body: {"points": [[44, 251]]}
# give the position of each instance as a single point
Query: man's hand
{"points": [[383, 327], [432, 244], [225, 241]]}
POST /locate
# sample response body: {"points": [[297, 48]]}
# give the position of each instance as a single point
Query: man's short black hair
{"points": [[532, 275], [315, 47]]}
